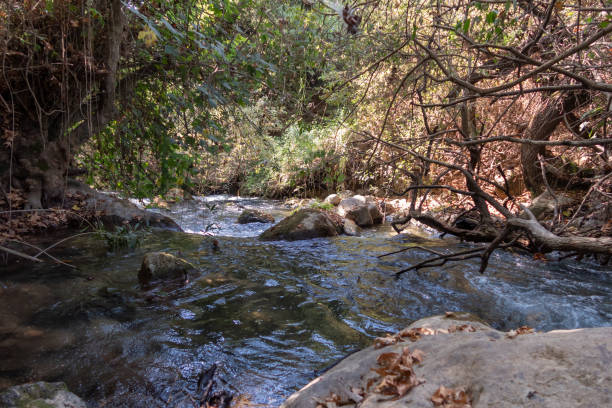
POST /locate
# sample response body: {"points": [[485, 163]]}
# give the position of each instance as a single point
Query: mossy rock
{"points": [[251, 216], [163, 266], [303, 224], [40, 395]]}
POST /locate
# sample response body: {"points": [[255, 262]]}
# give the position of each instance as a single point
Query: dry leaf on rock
{"points": [[521, 330], [451, 398], [353, 396], [416, 333], [397, 372], [388, 340], [464, 327]]}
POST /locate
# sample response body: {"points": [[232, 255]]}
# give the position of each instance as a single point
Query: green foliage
{"points": [[300, 162], [127, 236], [144, 154], [319, 205], [214, 62], [178, 113]]}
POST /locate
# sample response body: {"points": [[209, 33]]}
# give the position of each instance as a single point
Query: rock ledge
{"points": [[560, 369]]}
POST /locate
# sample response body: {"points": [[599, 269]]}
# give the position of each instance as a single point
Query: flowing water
{"points": [[270, 314]]}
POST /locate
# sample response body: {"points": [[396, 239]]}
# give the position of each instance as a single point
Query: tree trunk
{"points": [[541, 127], [43, 146], [468, 128]]}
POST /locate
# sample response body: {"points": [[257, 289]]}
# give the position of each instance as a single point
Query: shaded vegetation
{"points": [[477, 106]]}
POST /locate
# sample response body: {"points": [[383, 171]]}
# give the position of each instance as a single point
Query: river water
{"points": [[270, 314]]}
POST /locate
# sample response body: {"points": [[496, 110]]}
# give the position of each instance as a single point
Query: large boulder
{"points": [[363, 210], [250, 216], [163, 266], [40, 395], [304, 224], [558, 369], [116, 211]]}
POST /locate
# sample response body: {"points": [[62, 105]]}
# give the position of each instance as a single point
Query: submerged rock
{"points": [[363, 210], [560, 369], [40, 395], [162, 265], [304, 224], [250, 216]]}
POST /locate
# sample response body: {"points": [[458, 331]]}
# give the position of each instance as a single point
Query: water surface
{"points": [[271, 314]]}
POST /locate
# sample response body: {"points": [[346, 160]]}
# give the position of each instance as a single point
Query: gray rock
{"points": [[558, 369], [114, 210], [161, 265], [544, 204], [40, 395], [363, 210], [333, 199], [374, 208], [350, 228], [304, 224], [250, 216], [346, 194]]}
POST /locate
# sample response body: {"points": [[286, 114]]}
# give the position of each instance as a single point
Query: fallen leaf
{"points": [[525, 330], [387, 359], [418, 356], [451, 398], [397, 372], [521, 330], [335, 400], [539, 257], [389, 340]]}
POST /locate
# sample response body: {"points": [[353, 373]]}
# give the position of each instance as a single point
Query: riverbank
{"points": [[84, 207]]}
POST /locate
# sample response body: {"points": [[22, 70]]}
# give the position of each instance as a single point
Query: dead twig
{"points": [[42, 251], [19, 254]]}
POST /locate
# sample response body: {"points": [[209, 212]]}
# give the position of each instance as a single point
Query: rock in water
{"points": [[116, 211], [363, 210], [161, 265], [304, 224], [250, 216], [558, 369], [350, 228], [40, 395]]}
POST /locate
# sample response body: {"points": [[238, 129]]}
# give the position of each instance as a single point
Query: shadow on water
{"points": [[270, 314]]}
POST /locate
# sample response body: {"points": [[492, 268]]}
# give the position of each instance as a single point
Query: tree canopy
{"points": [[472, 102]]}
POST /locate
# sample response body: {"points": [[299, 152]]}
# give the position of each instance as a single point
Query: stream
{"points": [[270, 314]]}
